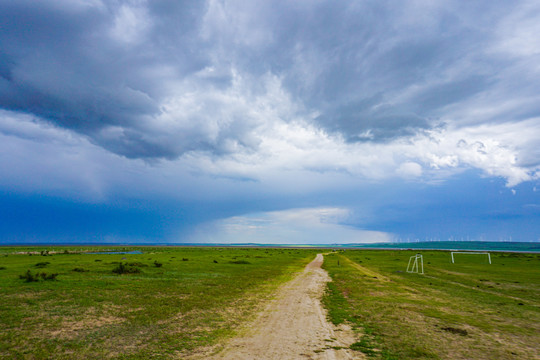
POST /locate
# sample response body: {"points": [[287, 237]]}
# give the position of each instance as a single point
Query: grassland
{"points": [[169, 302], [466, 310]]}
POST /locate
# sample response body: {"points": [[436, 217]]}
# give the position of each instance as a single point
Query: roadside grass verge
{"points": [[469, 309], [161, 304]]}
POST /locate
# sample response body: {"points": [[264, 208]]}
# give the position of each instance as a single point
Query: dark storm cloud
{"points": [[373, 54], [157, 79], [361, 121], [60, 62], [390, 70]]}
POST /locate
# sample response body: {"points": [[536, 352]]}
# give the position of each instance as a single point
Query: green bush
{"points": [[29, 277], [126, 269], [44, 276], [42, 264], [136, 264], [157, 264]]}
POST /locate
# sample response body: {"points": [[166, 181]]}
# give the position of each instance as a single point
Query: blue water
{"points": [[134, 252]]}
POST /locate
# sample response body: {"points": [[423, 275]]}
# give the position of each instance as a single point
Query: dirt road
{"points": [[294, 325]]}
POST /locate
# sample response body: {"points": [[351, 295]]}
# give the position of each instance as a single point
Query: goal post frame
{"points": [[470, 253], [415, 268]]}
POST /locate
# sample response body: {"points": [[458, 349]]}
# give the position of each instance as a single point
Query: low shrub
{"points": [[79, 270], [29, 277], [126, 269], [46, 276], [136, 264], [42, 264], [157, 264]]}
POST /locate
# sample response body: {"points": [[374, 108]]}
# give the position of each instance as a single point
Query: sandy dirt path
{"points": [[293, 325]]}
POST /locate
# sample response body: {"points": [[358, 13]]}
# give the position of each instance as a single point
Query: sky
{"points": [[269, 121]]}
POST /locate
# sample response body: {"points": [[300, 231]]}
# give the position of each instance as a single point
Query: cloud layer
{"points": [[220, 99]]}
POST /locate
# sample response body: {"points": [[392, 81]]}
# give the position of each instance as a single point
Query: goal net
{"points": [[470, 253]]}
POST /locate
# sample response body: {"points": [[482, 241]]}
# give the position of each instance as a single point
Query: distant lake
{"points": [[134, 252]]}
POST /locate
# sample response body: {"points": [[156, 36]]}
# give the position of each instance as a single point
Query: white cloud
{"points": [[294, 226], [289, 147], [493, 148], [409, 170]]}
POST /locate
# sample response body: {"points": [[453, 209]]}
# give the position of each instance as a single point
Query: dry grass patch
{"points": [[72, 329]]}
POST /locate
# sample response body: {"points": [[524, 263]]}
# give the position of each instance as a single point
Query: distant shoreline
{"points": [[517, 247]]}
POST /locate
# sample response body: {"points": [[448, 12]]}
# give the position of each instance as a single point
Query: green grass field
{"points": [[466, 310], [193, 299], [170, 302]]}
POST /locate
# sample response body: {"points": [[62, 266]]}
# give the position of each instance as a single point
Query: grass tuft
{"points": [[42, 264], [239, 262], [457, 331], [364, 346]]}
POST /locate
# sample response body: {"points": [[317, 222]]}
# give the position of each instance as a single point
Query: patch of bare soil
{"points": [[294, 325], [71, 329]]}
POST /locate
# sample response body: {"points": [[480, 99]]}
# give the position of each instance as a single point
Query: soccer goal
{"points": [[470, 253], [416, 264]]}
